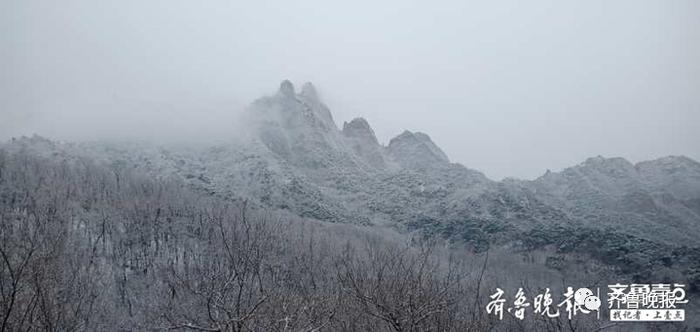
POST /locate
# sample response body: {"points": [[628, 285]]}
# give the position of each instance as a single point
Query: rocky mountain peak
{"points": [[294, 111], [669, 163], [415, 150], [359, 128], [615, 165], [286, 89], [600, 160], [595, 176], [361, 139], [308, 92], [678, 175], [309, 97], [299, 129]]}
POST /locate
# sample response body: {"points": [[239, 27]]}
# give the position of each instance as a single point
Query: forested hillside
{"points": [[297, 225], [86, 248]]}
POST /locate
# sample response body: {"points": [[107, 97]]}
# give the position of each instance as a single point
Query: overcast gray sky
{"points": [[510, 88]]}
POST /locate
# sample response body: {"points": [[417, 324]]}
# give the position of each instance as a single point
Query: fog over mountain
{"points": [[239, 218], [174, 165], [509, 89]]}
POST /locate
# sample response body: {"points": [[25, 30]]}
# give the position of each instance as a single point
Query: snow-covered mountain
{"points": [[297, 159]]}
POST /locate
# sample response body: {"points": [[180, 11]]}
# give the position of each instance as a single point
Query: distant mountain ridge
{"points": [[632, 215], [659, 197]]}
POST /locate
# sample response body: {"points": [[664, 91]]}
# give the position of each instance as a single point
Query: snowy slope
{"points": [[297, 159]]}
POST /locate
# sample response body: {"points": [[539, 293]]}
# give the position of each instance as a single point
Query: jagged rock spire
{"points": [[308, 91], [360, 137], [286, 88], [359, 128]]}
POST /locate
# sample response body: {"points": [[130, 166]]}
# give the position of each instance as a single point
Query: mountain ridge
{"points": [[298, 160]]}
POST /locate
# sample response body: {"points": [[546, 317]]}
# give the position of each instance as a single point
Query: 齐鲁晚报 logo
{"points": [[625, 302]]}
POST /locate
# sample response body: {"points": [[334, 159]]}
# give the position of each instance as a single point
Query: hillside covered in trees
{"points": [[297, 225]]}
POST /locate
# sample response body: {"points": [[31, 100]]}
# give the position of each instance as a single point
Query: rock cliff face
{"points": [[361, 139], [416, 150], [298, 160], [298, 127]]}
